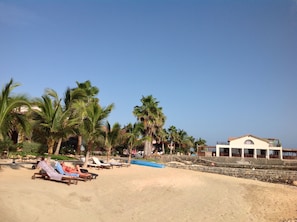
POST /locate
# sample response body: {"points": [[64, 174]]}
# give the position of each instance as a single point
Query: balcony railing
{"points": [[222, 143]]}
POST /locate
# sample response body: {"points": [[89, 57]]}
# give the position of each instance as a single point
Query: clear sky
{"points": [[219, 68]]}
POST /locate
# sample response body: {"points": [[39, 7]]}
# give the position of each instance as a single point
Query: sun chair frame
{"points": [[118, 164], [94, 175], [60, 170], [65, 179], [97, 163]]}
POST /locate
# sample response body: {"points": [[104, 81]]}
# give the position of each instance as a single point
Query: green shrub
{"points": [[33, 148], [61, 157], [7, 145], [68, 150]]}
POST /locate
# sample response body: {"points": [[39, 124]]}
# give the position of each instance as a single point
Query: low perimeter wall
{"points": [[266, 175]]}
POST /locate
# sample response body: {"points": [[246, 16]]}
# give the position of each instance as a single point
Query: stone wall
{"points": [[234, 162], [266, 175]]}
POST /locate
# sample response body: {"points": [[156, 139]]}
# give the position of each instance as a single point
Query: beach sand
{"points": [[144, 194]]}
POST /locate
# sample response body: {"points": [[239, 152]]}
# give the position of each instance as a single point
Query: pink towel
{"points": [[51, 172]]}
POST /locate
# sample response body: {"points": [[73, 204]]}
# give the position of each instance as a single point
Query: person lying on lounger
{"points": [[75, 169]]}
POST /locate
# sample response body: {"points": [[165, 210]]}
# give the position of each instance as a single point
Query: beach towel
{"points": [[50, 171], [60, 170]]}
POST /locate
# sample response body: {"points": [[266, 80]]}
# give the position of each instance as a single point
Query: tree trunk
{"points": [[79, 143], [129, 158], [171, 147], [147, 148], [50, 146], [130, 154], [89, 148], [58, 147], [108, 153]]}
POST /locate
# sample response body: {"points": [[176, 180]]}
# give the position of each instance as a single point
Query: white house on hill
{"points": [[250, 146]]}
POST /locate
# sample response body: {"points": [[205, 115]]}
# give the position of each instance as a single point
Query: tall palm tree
{"points": [[159, 133], [133, 136], [11, 115], [72, 95], [90, 91], [191, 143], [200, 143], [182, 140], [48, 117], [173, 138], [186, 142], [65, 128], [79, 98], [162, 137], [74, 102], [92, 124], [152, 117], [64, 123], [111, 136]]}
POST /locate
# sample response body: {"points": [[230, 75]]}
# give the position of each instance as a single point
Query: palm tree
{"points": [[183, 140], [74, 102], [200, 143], [133, 136], [173, 137], [159, 133], [191, 144], [65, 123], [90, 91], [162, 137], [72, 95], [65, 128], [48, 117], [11, 115], [152, 117], [79, 98], [92, 124], [111, 136]]}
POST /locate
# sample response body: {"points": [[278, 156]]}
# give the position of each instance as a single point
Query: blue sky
{"points": [[218, 68]]}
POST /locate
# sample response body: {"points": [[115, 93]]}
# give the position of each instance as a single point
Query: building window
{"points": [[249, 142]]}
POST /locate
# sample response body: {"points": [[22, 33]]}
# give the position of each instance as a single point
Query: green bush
{"points": [[68, 150], [7, 145], [28, 148], [61, 157], [33, 148]]}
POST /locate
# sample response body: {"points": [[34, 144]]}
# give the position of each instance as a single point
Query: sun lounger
{"points": [[49, 173], [89, 164], [58, 167], [94, 175], [116, 163], [100, 164]]}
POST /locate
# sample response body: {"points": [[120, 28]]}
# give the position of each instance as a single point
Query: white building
{"points": [[250, 146]]}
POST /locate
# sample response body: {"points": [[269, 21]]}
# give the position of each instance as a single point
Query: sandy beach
{"points": [[143, 194]]}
